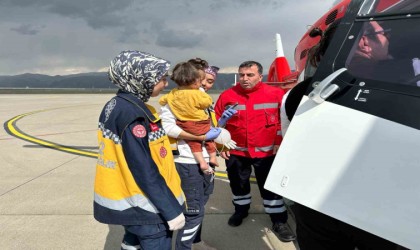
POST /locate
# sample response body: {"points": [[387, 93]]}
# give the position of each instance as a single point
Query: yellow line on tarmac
{"points": [[12, 129]]}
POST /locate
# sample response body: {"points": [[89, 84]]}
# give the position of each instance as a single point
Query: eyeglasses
{"points": [[384, 32]]}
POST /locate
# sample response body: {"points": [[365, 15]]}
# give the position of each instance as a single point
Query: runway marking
{"points": [[12, 129]]}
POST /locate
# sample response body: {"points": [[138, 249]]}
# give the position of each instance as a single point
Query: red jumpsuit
{"points": [[256, 129]]}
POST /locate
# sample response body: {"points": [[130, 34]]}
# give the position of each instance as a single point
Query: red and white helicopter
{"points": [[352, 148]]}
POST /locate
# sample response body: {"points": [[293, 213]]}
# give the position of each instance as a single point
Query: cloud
{"points": [[26, 29], [221, 4], [96, 13], [180, 38], [86, 34]]}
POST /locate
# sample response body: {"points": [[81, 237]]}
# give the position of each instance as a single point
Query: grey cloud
{"points": [[220, 4], [23, 3], [133, 35], [26, 29], [96, 13], [180, 39], [99, 29]]}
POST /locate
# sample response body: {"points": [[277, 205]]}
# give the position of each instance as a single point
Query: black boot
{"points": [[236, 219], [284, 232]]}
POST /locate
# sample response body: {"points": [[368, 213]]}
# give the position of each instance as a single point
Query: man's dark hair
{"points": [[249, 64]]}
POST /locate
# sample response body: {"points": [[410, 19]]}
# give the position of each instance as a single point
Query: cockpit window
{"points": [[375, 7], [387, 51]]}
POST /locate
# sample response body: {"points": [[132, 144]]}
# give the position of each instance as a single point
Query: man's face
{"points": [[249, 77], [379, 44]]}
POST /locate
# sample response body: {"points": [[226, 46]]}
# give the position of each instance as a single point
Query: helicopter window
{"points": [[310, 68], [315, 53], [387, 51]]}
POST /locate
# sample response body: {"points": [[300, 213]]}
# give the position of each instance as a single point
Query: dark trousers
{"points": [[147, 237], [197, 188], [317, 231], [239, 171]]}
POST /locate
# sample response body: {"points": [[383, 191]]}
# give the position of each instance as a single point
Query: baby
{"points": [[188, 104]]}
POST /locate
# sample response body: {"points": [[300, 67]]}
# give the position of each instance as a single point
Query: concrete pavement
{"points": [[46, 193]]}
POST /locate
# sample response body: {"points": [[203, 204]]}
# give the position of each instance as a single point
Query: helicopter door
{"points": [[352, 148]]}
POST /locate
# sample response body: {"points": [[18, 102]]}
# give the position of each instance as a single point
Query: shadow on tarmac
{"points": [[114, 237]]}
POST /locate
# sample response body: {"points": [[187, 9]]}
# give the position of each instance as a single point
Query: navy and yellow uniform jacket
{"points": [[136, 180]]}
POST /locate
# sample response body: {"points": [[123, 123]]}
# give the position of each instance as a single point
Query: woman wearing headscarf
{"points": [[136, 183]]}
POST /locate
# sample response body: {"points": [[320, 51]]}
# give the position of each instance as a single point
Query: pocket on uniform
{"points": [[193, 201], [271, 118], [208, 184]]}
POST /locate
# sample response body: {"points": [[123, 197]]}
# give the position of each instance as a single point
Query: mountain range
{"points": [[94, 80]]}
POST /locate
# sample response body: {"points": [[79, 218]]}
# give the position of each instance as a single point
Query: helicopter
{"points": [[351, 150]]}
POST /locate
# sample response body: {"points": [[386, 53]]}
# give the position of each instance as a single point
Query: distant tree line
{"points": [[95, 80]]}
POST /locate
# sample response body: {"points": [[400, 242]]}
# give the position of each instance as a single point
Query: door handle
{"points": [[324, 89]]}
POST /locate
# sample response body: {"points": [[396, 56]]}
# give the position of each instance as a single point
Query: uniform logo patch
{"points": [[163, 152], [272, 118], [154, 127], [139, 131]]}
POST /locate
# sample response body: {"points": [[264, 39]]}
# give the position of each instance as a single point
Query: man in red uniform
{"points": [[255, 126]]}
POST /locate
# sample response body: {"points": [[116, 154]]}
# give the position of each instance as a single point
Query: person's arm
{"points": [[146, 173], [295, 96], [174, 131], [284, 120], [169, 122], [279, 134], [223, 113]]}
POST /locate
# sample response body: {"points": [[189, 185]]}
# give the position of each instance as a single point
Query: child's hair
{"points": [[185, 73], [199, 63]]}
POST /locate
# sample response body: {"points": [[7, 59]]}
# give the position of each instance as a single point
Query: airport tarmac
{"points": [[47, 174]]}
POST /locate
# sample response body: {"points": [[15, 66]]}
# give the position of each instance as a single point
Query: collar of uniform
{"points": [[247, 91], [133, 99]]}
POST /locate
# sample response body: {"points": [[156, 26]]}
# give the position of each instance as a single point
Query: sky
{"points": [[62, 37]]}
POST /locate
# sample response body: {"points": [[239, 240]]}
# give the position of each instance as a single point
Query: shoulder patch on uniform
{"points": [[139, 131]]}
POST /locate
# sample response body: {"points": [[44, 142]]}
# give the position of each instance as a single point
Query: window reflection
{"points": [[384, 51]]}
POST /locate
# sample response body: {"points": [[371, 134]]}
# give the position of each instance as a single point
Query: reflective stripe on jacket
{"points": [[136, 180], [256, 126]]}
